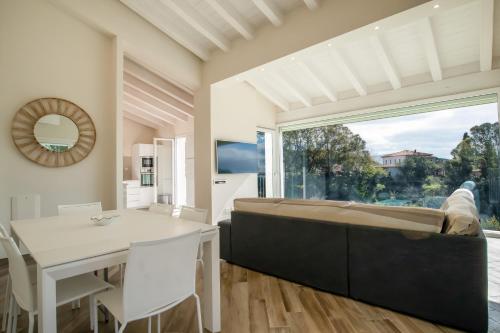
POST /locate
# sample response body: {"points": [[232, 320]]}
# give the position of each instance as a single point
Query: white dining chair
{"points": [[159, 275], [197, 215], [90, 209], [24, 288], [160, 208], [8, 285]]}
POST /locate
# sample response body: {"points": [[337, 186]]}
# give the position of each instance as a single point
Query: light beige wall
{"points": [[46, 53], [134, 133], [301, 28], [141, 40], [237, 111]]}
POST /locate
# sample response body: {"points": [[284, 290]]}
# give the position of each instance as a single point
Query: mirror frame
{"points": [[23, 135]]}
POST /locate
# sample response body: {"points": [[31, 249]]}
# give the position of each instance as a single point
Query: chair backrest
{"points": [[159, 273], [194, 214], [159, 208], [90, 209], [22, 286], [25, 206]]}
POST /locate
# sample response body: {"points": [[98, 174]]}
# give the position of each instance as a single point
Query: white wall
{"points": [[141, 40], [237, 111], [46, 53]]}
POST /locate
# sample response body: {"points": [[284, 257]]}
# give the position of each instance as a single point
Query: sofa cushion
{"points": [[405, 218], [462, 217]]}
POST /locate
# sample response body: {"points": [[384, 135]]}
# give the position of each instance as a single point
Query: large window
{"points": [[406, 160]]}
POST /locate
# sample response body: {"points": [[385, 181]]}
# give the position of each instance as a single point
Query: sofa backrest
{"points": [[405, 218]]}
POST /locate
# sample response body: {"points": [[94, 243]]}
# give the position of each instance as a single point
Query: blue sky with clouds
{"points": [[434, 132]]}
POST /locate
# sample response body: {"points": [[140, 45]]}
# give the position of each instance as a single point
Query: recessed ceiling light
{"points": [[292, 58], [238, 79], [329, 44], [436, 6], [377, 27], [262, 69]]}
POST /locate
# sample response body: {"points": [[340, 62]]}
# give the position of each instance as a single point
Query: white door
{"points": [[164, 166]]}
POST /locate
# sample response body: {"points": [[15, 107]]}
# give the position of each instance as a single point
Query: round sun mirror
{"points": [[53, 132], [56, 133]]}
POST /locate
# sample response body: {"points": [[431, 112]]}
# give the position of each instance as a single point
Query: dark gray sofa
{"points": [[437, 277]]}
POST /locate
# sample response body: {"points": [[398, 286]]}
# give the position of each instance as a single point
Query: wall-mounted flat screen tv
{"points": [[236, 157]]}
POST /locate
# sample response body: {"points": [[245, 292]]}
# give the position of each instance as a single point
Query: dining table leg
{"points": [[47, 315], [211, 285]]}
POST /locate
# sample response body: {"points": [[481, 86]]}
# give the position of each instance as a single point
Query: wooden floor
{"points": [[254, 302]]}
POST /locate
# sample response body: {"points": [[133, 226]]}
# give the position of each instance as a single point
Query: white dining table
{"points": [[66, 246]]}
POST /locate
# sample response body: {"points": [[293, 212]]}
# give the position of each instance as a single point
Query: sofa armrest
{"points": [[225, 239]]}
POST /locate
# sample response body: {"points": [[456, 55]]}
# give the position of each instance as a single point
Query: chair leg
{"points": [[95, 314], [10, 317], [15, 313], [158, 323], [78, 303], [198, 310], [91, 311], [121, 275], [149, 324], [116, 325], [31, 316], [6, 304]]}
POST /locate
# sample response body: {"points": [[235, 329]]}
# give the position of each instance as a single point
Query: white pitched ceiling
{"points": [[436, 40], [151, 100], [203, 25]]}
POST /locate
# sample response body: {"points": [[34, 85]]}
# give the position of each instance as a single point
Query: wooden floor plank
{"points": [[257, 303]]}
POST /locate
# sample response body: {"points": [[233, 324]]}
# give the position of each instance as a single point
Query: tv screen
{"points": [[236, 157]]}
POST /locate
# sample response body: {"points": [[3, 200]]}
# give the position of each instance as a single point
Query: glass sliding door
{"points": [[416, 159], [265, 164]]}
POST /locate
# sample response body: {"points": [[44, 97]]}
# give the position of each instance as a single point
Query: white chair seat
{"points": [[113, 301], [80, 286], [73, 288]]}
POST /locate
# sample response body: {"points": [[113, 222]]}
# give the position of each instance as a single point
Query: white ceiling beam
{"points": [[189, 14], [319, 81], [144, 88], [269, 93], [486, 39], [293, 89], [130, 106], [232, 17], [431, 51], [141, 119], [158, 82], [157, 17], [142, 99], [386, 61], [348, 72], [312, 4], [270, 11]]}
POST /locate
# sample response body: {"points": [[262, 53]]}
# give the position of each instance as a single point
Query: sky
{"points": [[433, 132]]}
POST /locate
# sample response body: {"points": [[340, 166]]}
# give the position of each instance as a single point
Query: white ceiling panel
{"points": [[405, 46], [457, 35], [360, 55]]}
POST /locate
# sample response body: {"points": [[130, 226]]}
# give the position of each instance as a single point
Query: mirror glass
{"points": [[56, 133]]}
